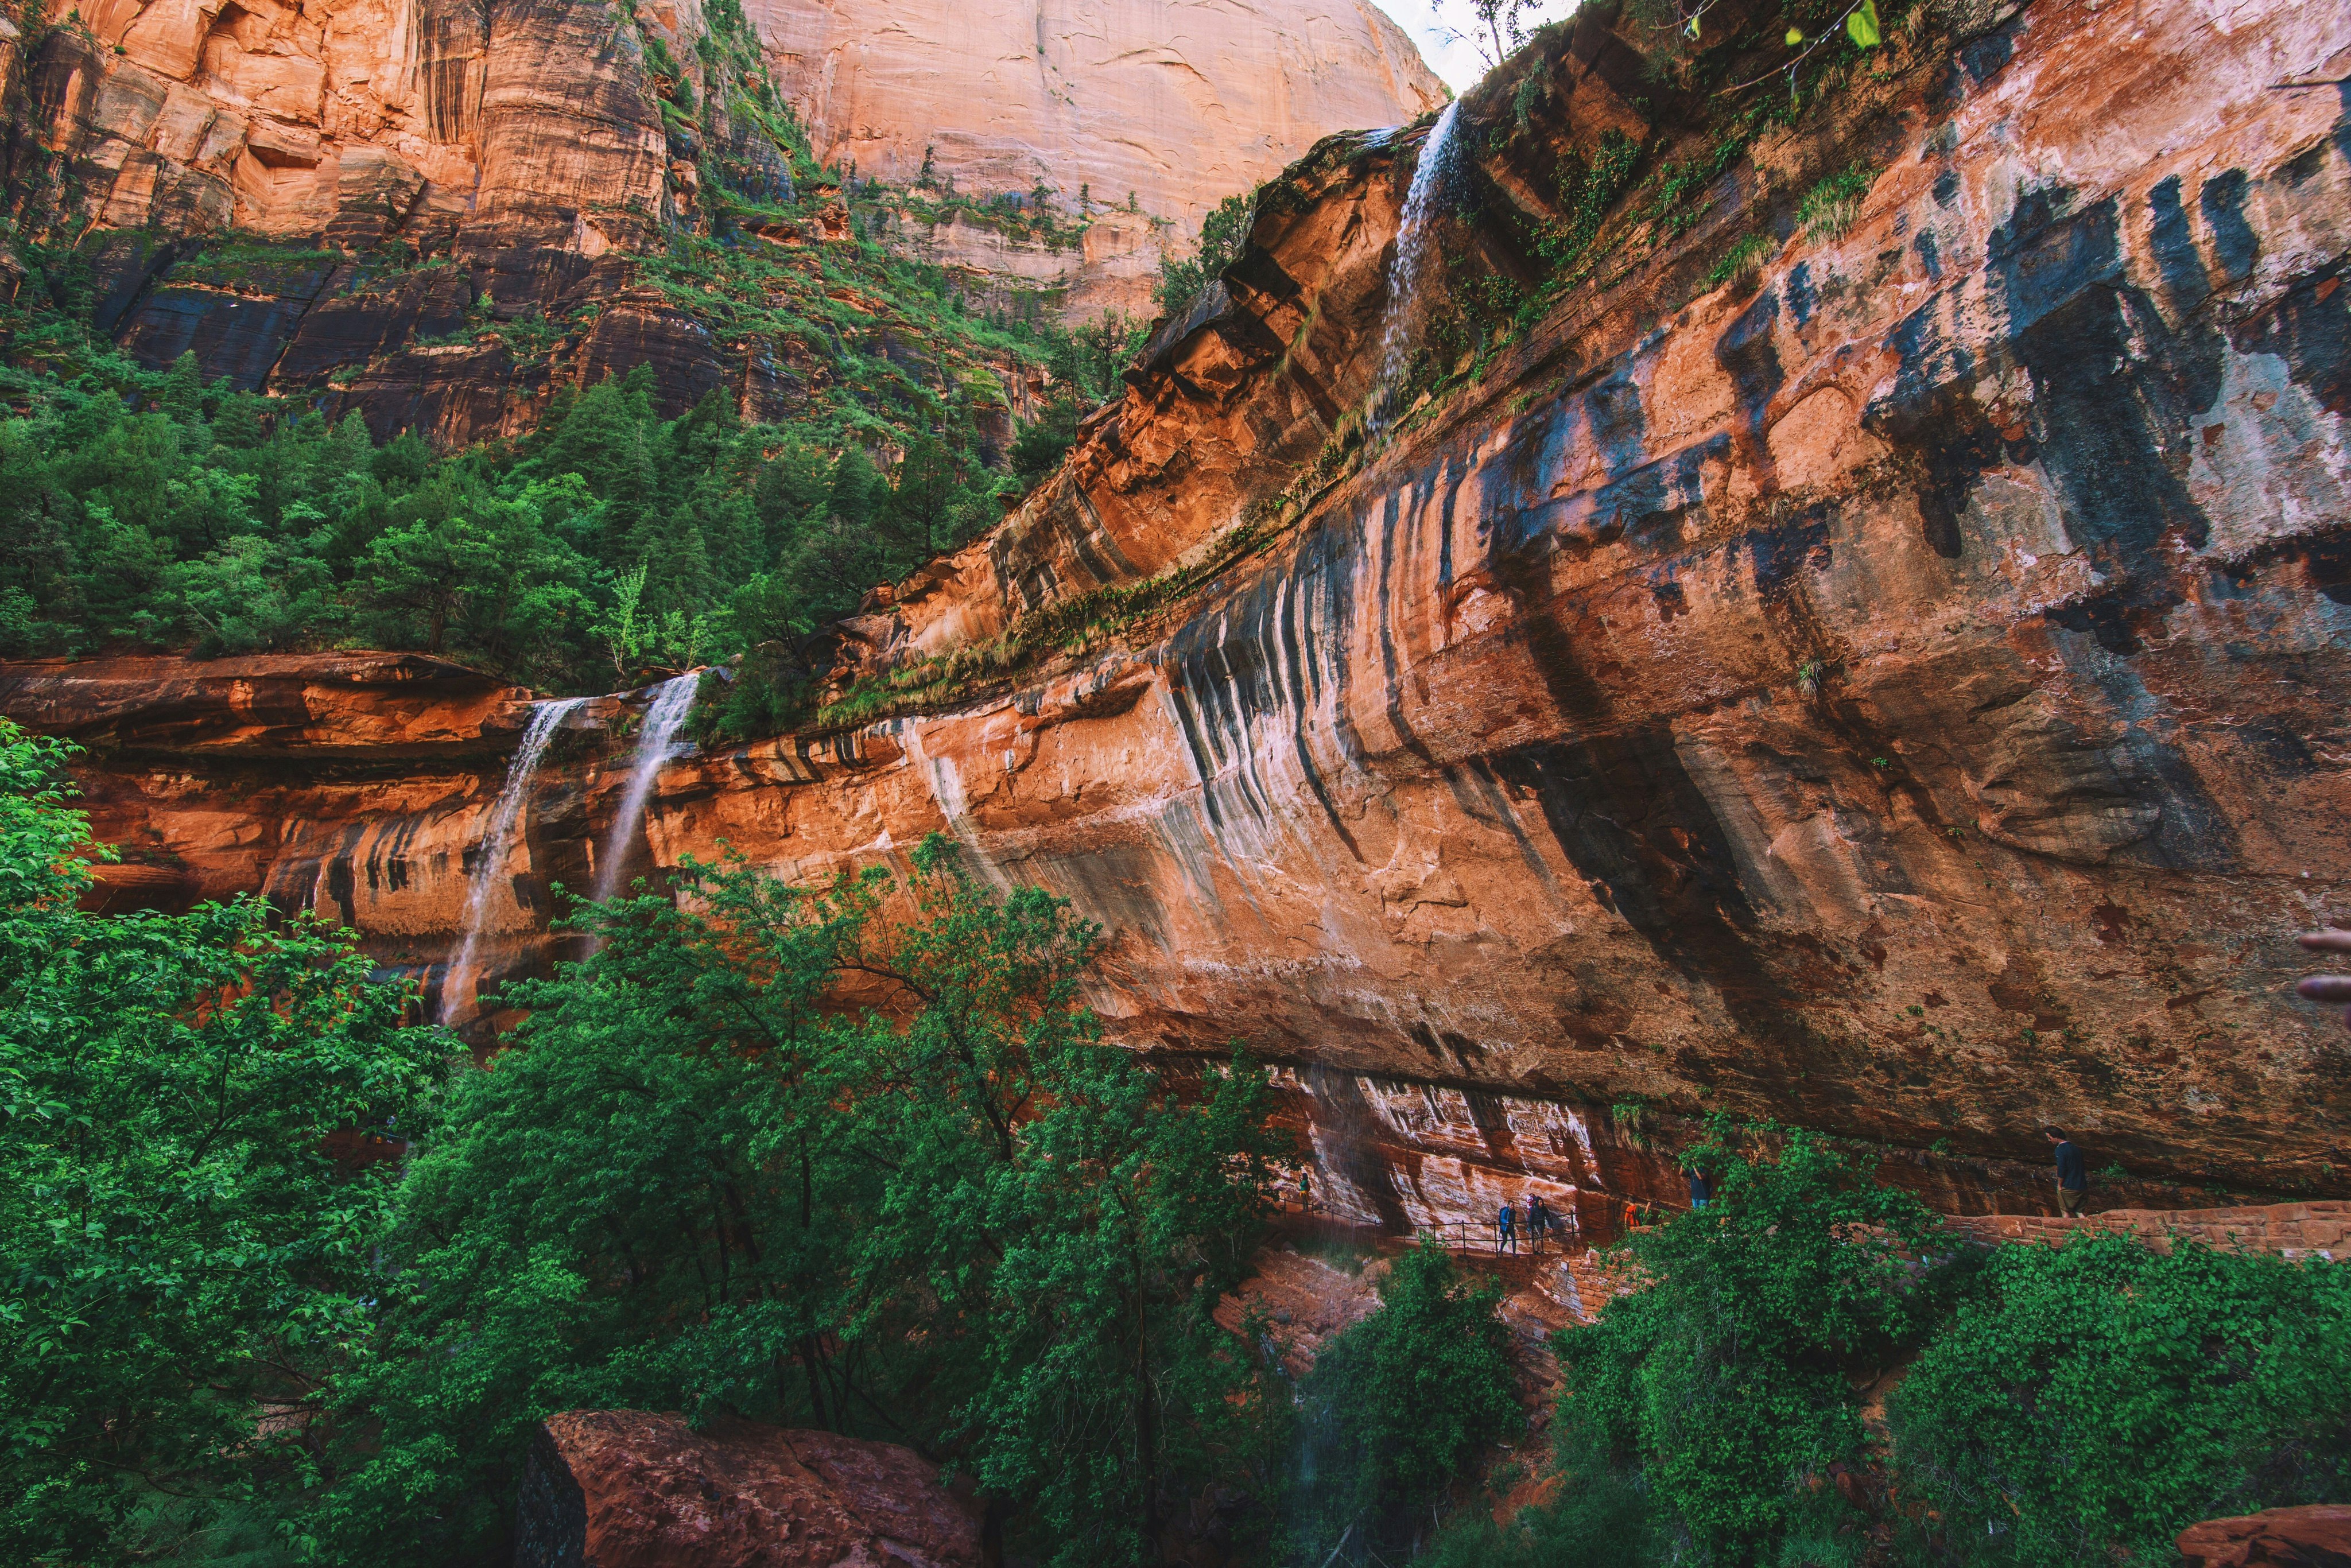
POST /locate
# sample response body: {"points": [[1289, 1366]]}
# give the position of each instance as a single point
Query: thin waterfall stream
{"points": [[672, 700], [1407, 271], [498, 848]]}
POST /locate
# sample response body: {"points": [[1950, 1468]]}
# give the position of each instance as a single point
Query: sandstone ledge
{"points": [[628, 1488]]}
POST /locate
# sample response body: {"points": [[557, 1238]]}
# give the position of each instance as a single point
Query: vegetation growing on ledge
{"points": [[1065, 626]]}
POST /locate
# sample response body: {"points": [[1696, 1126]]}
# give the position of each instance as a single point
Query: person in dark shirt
{"points": [[1701, 1191], [2072, 1174], [1538, 1221]]}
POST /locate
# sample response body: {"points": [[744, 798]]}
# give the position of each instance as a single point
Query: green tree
{"points": [[1044, 441], [963, 1221], [180, 1257], [1399, 1405], [1729, 1380], [495, 584], [2092, 1400], [252, 594], [1222, 234]]}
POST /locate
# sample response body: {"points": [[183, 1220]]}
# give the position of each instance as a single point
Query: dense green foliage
{"points": [[178, 1254], [2066, 1405], [1730, 1382], [2100, 1397], [970, 1226], [1398, 1405]]}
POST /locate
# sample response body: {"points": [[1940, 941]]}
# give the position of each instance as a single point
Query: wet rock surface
{"points": [[631, 1489]]}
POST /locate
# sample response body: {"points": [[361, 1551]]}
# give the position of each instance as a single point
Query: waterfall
{"points": [[1400, 321], [664, 719], [498, 846]]}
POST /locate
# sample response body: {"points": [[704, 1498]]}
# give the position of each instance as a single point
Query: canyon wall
{"points": [[1890, 688], [1177, 107], [1892, 691], [539, 145]]}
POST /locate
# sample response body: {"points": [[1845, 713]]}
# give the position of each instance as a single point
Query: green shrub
{"points": [[1399, 1403], [1727, 1384], [1741, 262], [1829, 208], [2096, 1398]]}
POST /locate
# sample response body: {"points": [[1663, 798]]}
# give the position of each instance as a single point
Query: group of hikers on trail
{"points": [[1539, 1222]]}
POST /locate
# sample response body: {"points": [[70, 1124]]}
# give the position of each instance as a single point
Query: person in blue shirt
{"points": [[1506, 1231], [1701, 1190], [2072, 1172]]}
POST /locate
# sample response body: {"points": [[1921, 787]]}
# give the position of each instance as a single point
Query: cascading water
{"points": [[671, 700], [497, 845], [1400, 321]]}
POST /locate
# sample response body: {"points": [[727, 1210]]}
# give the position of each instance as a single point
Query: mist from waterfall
{"points": [[673, 699], [1408, 269], [498, 846]]}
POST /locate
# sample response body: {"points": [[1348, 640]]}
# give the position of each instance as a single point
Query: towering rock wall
{"points": [[1179, 106], [539, 143], [1888, 687]]}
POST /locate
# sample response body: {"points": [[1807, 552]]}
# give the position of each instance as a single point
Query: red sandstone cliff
{"points": [[1891, 690], [1178, 106], [529, 143]]}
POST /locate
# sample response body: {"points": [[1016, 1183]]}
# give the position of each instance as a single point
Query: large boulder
{"points": [[632, 1489], [2315, 1537]]}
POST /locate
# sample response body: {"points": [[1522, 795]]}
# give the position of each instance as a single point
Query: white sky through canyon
{"points": [[1444, 32]]}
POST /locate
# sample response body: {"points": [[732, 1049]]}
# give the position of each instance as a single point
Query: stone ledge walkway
{"points": [[2320, 1231]]}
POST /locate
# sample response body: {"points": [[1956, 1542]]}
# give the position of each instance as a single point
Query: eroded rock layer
{"points": [[1893, 690]]}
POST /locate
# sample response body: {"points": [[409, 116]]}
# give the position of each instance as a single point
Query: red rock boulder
{"points": [[2316, 1537], [632, 1489]]}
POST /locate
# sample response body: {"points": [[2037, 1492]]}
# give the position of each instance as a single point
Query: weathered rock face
{"points": [[1893, 694], [626, 1488], [1182, 106], [525, 139], [2317, 1536]]}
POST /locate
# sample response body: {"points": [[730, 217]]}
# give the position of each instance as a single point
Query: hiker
{"points": [[1538, 1221], [1700, 1189], [2331, 990], [1305, 1192], [1506, 1229], [2073, 1173]]}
